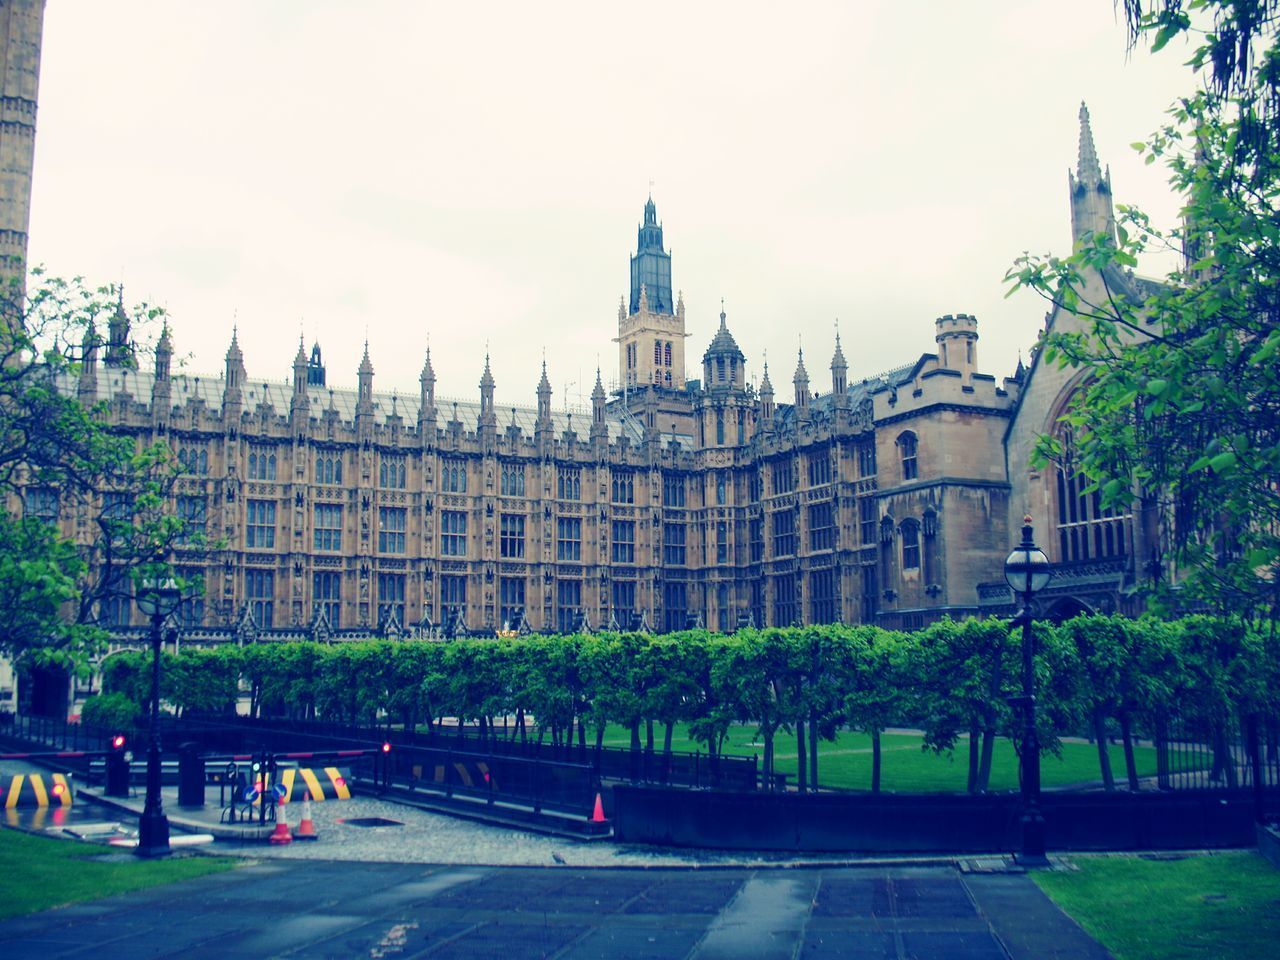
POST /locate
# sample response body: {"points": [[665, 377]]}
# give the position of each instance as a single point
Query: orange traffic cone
{"points": [[597, 815], [281, 833], [306, 828]]}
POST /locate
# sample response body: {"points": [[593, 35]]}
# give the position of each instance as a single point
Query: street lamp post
{"points": [[157, 600], [1027, 571]]}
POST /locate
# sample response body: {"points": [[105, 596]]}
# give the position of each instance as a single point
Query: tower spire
{"points": [[1088, 170], [1092, 212]]}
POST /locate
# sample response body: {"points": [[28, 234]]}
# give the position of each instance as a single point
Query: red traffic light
{"points": [[117, 742], [386, 747]]}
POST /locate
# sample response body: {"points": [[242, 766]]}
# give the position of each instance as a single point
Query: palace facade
{"points": [[686, 497]]}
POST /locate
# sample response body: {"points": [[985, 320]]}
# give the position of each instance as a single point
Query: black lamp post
{"points": [[1028, 572], [157, 600]]}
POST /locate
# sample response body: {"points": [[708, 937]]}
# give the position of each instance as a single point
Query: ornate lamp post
{"points": [[157, 600], [1028, 572]]}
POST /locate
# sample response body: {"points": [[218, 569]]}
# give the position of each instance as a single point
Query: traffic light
{"points": [[118, 767]]}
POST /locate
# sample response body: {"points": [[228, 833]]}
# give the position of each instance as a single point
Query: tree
{"points": [[60, 461], [1180, 408]]}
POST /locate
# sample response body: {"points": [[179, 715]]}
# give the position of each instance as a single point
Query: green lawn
{"points": [[37, 873], [846, 761], [1220, 905]]}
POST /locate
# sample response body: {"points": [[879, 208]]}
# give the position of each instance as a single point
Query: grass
{"points": [[905, 767], [1220, 905], [37, 873]]}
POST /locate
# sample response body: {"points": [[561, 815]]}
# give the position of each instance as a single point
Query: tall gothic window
{"points": [[329, 468], [453, 476], [391, 473], [1086, 530], [262, 465]]}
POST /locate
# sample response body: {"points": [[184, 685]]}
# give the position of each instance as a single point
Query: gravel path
{"points": [[433, 838]]}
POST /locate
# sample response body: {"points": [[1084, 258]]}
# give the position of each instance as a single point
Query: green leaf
{"points": [[1223, 461]]}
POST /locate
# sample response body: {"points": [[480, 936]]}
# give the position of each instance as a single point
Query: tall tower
{"points": [[651, 332], [21, 28]]}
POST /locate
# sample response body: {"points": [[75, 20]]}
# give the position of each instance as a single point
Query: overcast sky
{"points": [[474, 174]]}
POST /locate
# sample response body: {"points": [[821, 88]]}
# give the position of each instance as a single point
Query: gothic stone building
{"points": [[677, 500]]}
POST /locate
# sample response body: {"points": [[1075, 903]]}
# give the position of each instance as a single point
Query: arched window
{"points": [[910, 545], [1086, 531], [907, 451], [657, 351], [720, 427], [666, 354]]}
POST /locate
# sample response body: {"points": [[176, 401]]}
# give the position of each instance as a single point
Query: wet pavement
{"points": [[387, 911]]}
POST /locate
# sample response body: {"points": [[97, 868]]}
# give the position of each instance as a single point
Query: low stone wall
{"points": [[932, 823]]}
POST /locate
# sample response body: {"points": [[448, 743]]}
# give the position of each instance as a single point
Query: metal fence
{"points": [[1226, 752], [677, 768]]}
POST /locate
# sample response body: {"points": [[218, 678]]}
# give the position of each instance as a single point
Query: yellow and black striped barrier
{"points": [[323, 784], [31, 790], [474, 774]]}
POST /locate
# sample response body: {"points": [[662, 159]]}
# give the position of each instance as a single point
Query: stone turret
{"points": [[119, 349], [315, 368], [1092, 211], [767, 408], [957, 339], [839, 378], [488, 422], [87, 390], [298, 407], [233, 382], [542, 426], [162, 385], [427, 405], [801, 381], [364, 392], [599, 429]]}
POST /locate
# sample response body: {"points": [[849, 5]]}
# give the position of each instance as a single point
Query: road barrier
{"points": [[31, 790]]}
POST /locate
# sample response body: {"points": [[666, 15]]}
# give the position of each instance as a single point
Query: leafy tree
{"points": [[1181, 405], [60, 459]]}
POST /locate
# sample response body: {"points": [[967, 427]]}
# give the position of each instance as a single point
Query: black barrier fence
{"points": [[678, 769], [531, 781], [543, 784], [935, 823], [58, 733]]}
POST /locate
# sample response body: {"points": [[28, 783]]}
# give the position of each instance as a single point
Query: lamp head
{"points": [[159, 598], [1027, 569]]}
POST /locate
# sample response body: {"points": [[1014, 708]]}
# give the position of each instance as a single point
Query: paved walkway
{"points": [[392, 911]]}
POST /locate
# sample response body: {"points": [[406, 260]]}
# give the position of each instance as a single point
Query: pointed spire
{"points": [[644, 299], [233, 351], [838, 361], [765, 385], [598, 392], [486, 378], [802, 375], [1088, 170], [366, 366], [544, 383], [300, 358]]}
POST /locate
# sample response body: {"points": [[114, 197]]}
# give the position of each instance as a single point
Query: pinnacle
{"points": [[1088, 170]]}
